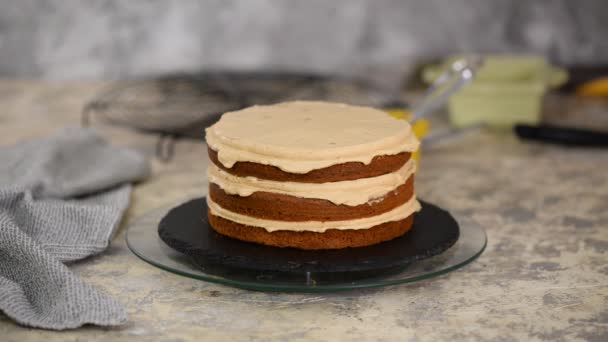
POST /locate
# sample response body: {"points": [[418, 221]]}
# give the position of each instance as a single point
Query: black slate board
{"points": [[185, 229]]}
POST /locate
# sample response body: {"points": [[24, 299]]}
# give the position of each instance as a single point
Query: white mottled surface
{"points": [[544, 275], [70, 39]]}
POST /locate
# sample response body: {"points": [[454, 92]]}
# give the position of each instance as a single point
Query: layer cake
{"points": [[311, 175]]}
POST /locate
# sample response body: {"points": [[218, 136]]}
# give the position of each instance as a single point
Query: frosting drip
{"points": [[352, 192], [302, 136]]}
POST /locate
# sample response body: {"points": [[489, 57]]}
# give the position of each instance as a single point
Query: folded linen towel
{"points": [[61, 199]]}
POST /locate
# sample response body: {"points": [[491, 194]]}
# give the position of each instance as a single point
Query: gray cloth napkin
{"points": [[61, 199]]}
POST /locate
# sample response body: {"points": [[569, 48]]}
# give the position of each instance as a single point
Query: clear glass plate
{"points": [[142, 238]]}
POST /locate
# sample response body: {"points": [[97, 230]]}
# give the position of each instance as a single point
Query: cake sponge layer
{"points": [[275, 206], [380, 165], [396, 214], [350, 192], [330, 239]]}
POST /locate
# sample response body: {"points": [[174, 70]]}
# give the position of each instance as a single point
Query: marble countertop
{"points": [[543, 276]]}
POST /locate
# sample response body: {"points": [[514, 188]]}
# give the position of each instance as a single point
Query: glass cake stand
{"points": [[143, 240]]}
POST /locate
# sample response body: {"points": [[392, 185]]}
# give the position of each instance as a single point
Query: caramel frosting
{"points": [[399, 213], [302, 136], [352, 192]]}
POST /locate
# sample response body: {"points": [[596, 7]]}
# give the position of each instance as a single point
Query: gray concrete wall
{"points": [[66, 39]]}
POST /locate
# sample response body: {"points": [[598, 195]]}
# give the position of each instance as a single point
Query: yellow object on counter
{"points": [[420, 127], [595, 88]]}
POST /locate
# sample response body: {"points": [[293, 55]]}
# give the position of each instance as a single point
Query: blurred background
{"points": [[70, 39], [175, 66]]}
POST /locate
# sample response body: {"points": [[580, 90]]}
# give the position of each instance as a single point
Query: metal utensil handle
{"points": [[461, 72]]}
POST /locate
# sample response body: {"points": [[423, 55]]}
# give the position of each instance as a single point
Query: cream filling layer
{"points": [[399, 213], [352, 192], [302, 136], [229, 155]]}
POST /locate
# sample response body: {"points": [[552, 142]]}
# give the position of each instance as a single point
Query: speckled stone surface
{"points": [[544, 275]]}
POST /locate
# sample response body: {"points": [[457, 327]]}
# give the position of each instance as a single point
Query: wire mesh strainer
{"points": [[181, 106]]}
